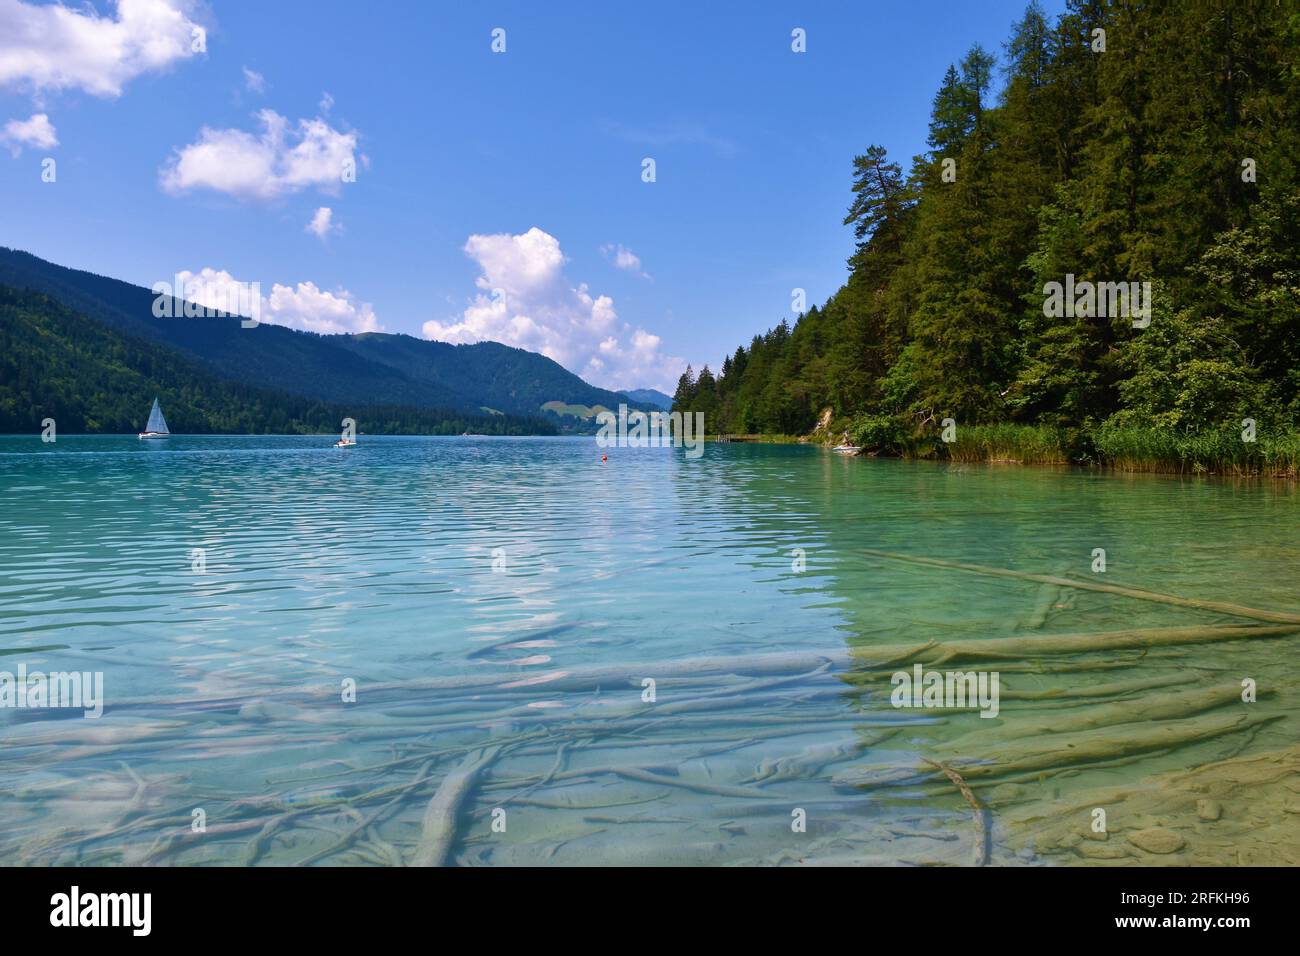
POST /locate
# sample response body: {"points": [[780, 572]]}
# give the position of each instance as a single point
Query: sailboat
{"points": [[157, 427]]}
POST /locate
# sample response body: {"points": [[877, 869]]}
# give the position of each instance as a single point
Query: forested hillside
{"points": [[1126, 142], [56, 363], [371, 368]]}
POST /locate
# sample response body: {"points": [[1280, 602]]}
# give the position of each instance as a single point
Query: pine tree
{"points": [[684, 396], [1114, 166]]}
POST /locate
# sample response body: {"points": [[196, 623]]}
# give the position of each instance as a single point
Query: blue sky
{"points": [[497, 195]]}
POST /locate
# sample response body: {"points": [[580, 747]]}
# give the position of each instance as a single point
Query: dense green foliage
{"points": [[56, 363], [369, 368], [1117, 166]]}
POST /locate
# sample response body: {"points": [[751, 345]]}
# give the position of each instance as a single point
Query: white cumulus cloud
{"points": [[623, 258], [37, 132], [304, 306], [50, 47], [278, 161], [525, 300], [322, 223]]}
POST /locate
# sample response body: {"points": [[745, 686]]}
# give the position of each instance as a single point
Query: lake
{"points": [[494, 651]]}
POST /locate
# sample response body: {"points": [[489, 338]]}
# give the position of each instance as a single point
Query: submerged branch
{"points": [[981, 822], [1223, 607]]}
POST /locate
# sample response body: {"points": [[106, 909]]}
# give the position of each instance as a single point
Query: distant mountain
{"points": [[57, 363], [650, 396], [348, 370], [486, 374]]}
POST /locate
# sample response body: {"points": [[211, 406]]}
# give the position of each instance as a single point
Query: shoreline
{"points": [[964, 451], [1115, 449]]}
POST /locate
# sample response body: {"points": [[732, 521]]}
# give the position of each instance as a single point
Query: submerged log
{"points": [[788, 663], [1223, 607], [1060, 750], [1010, 648], [440, 816], [1047, 600], [1114, 689], [1019, 724], [783, 663]]}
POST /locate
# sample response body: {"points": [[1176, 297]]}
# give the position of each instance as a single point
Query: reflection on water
{"points": [[644, 660]]}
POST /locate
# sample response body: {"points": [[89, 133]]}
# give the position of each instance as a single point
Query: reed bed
{"points": [[1024, 444], [1271, 454]]}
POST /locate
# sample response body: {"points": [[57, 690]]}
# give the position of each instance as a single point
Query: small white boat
{"points": [[157, 426], [847, 449], [345, 443]]}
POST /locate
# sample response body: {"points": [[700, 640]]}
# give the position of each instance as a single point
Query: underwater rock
{"points": [[1157, 840], [1174, 802], [1209, 809], [1097, 852]]}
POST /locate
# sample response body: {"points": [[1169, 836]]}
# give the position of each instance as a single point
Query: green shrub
{"points": [[881, 434]]}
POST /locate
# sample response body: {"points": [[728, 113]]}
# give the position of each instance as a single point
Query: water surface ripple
{"points": [[501, 606]]}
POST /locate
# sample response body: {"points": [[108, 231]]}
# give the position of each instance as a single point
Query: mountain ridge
{"points": [[56, 363], [344, 368], [650, 396]]}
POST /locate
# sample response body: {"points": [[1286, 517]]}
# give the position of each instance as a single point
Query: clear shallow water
{"points": [[376, 564]]}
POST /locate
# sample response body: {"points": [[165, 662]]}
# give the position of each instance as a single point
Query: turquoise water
{"points": [[515, 595]]}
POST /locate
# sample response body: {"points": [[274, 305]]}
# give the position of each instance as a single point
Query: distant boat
{"points": [[848, 449], [345, 443], [157, 427]]}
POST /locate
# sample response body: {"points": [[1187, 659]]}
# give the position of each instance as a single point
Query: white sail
{"points": [[157, 424]]}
